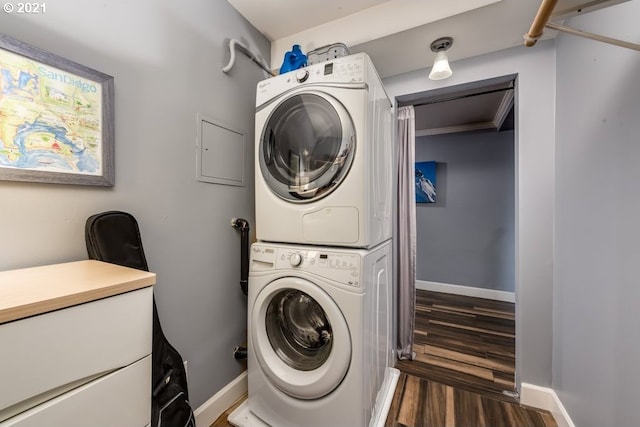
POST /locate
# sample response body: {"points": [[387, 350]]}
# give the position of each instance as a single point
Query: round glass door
{"points": [[298, 330], [300, 338], [306, 147]]}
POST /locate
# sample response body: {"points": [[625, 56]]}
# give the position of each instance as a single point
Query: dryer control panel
{"points": [[343, 267], [348, 70]]}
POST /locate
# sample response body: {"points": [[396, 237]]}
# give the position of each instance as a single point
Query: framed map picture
{"points": [[425, 182], [56, 118]]}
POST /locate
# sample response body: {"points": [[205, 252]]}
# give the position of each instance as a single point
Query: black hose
{"points": [[243, 225]]}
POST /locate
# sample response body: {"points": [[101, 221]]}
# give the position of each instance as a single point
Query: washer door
{"points": [[301, 339], [307, 146]]}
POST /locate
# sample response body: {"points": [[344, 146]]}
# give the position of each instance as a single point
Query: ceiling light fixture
{"points": [[441, 69]]}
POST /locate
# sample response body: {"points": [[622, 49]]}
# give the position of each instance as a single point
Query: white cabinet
{"points": [[121, 398], [75, 344]]}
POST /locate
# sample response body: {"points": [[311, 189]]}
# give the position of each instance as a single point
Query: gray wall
{"points": [[597, 249], [535, 134], [166, 57], [467, 236]]}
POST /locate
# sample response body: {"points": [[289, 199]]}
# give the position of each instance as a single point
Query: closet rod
{"points": [[486, 92], [537, 26], [545, 11], [592, 36]]}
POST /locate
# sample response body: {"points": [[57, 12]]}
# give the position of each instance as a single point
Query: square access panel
{"points": [[220, 153]]}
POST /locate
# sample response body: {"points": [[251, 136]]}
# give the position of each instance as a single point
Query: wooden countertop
{"points": [[36, 290]]}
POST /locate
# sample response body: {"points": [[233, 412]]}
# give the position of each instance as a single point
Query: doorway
{"points": [[465, 267]]}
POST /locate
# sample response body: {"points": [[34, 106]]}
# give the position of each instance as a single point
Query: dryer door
{"points": [[307, 146], [300, 338]]}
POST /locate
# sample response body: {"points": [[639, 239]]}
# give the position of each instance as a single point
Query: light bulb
{"points": [[441, 69]]}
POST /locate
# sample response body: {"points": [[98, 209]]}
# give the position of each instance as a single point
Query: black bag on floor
{"points": [[114, 237]]}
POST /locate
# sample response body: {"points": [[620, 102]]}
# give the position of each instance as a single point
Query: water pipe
{"points": [[243, 225]]}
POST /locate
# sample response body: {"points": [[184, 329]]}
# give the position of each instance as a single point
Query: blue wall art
{"points": [[425, 182]]}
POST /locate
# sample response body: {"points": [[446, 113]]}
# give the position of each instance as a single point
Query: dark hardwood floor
{"points": [[464, 342], [423, 403], [465, 361], [463, 374]]}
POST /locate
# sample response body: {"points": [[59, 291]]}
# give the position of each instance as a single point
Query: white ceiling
{"points": [[396, 33]]}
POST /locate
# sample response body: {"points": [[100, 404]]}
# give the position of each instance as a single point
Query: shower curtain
{"points": [[406, 232]]}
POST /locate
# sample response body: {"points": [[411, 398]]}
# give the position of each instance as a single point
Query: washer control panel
{"points": [[338, 266]]}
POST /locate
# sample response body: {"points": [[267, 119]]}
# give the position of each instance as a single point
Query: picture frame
{"points": [[56, 118], [425, 182]]}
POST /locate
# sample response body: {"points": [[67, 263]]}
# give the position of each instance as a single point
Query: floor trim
{"points": [[545, 398], [210, 410], [468, 291]]}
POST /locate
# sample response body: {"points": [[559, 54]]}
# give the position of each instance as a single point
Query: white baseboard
{"points": [[210, 410], [545, 398], [468, 291]]}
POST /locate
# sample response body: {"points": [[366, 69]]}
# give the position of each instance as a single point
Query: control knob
{"points": [[296, 259], [302, 75]]}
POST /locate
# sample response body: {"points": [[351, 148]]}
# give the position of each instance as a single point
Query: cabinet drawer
{"points": [[47, 355], [122, 398]]}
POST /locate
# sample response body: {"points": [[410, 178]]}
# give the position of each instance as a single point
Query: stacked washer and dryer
{"points": [[320, 277]]}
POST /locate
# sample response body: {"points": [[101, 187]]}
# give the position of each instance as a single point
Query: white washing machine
{"points": [[319, 335], [324, 156]]}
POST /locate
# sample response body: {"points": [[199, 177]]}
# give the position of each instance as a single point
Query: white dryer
{"points": [[324, 156], [319, 335]]}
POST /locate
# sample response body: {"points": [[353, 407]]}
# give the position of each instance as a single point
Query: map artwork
{"points": [[50, 120]]}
